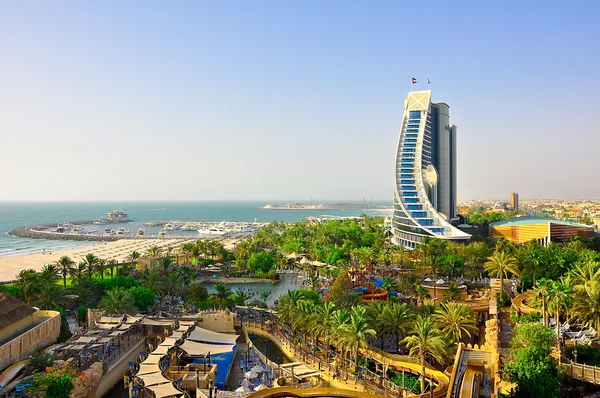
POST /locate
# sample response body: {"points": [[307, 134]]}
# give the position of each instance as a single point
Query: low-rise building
{"points": [[542, 230], [24, 330]]}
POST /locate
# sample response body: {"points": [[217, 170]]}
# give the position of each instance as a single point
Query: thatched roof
{"points": [[12, 310]]}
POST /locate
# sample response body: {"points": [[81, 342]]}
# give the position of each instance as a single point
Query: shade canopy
{"points": [[165, 390], [153, 379], [201, 349], [169, 342], [161, 350], [153, 358], [148, 368], [208, 336]]}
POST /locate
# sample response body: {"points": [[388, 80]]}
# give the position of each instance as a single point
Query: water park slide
{"points": [[11, 372], [282, 392], [521, 306], [470, 384]]}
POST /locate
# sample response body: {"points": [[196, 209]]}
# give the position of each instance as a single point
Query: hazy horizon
{"points": [[199, 101]]}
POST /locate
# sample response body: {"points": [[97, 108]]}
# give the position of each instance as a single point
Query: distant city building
{"points": [[542, 230], [514, 201], [425, 173]]}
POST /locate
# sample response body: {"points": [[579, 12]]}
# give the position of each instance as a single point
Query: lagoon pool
{"points": [[277, 289]]}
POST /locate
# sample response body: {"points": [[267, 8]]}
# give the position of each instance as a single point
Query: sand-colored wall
{"points": [[33, 340], [217, 321]]}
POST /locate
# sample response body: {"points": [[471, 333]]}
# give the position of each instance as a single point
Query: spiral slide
{"points": [[11, 372]]}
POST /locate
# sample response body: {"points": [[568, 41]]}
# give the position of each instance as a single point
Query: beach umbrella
{"points": [[428, 280], [260, 387], [257, 369], [440, 282], [244, 389]]}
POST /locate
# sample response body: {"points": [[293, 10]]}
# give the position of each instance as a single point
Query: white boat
{"points": [[100, 221], [122, 231], [162, 234], [212, 232], [108, 232], [141, 232]]}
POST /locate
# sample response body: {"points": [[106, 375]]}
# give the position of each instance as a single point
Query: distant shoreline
{"points": [[322, 206]]}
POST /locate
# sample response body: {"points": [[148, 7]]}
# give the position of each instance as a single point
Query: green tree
{"points": [[143, 298], [531, 366], [390, 284], [261, 262], [90, 261], [456, 319], [356, 333], [222, 293], [50, 273], [396, 320], [426, 340], [560, 298], [117, 301], [339, 290], [65, 265], [500, 265], [240, 297], [29, 284], [197, 293]]}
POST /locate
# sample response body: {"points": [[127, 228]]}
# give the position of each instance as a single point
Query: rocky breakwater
{"points": [[32, 233]]}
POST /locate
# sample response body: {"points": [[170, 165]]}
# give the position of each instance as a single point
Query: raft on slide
{"points": [[375, 296]]}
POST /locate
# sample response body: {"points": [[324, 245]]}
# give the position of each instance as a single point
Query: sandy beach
{"points": [[10, 266]]}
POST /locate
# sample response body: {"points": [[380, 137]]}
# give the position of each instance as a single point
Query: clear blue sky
{"points": [[291, 99]]}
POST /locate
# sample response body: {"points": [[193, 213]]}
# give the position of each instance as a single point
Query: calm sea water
{"points": [[19, 214]]}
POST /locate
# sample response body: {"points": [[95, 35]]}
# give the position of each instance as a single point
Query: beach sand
{"points": [[10, 266]]}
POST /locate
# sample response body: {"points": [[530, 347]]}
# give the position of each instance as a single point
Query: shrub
{"points": [[142, 297]]}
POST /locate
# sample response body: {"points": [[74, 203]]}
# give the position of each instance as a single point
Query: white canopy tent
{"points": [[208, 336], [153, 358], [161, 350], [200, 349]]}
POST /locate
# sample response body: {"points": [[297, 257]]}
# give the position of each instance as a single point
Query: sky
{"points": [[278, 100]]}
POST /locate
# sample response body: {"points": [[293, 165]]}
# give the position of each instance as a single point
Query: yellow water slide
{"points": [[11, 372]]}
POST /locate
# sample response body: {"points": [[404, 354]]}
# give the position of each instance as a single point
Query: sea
{"points": [[19, 214]]}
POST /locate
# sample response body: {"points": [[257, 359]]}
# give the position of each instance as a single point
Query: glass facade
{"points": [[415, 212]]}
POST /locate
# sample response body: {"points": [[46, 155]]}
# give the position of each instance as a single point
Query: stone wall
{"points": [[217, 321], [33, 340]]}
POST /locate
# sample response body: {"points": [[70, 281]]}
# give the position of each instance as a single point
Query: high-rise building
{"points": [[425, 173], [514, 201]]}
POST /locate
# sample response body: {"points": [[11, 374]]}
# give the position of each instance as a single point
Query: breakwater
{"points": [[32, 233]]}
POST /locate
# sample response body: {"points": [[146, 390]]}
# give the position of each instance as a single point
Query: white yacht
{"points": [[122, 231], [212, 232], [162, 234], [141, 232]]}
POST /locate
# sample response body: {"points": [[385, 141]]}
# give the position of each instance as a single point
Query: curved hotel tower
{"points": [[425, 174]]}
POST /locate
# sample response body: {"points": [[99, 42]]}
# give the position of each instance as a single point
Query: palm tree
{"points": [[187, 274], [500, 265], [133, 256], [65, 265], [456, 319], [117, 301], [100, 268], [186, 250], [111, 264], [154, 281], [50, 296], [542, 291], [265, 295], [153, 252], [426, 340], [389, 284], [241, 297], [78, 272], [374, 313], [50, 273], [173, 284], [355, 334], [288, 303], [560, 297], [421, 293], [222, 293], [454, 293], [29, 284], [90, 261], [321, 323], [165, 265], [395, 320]]}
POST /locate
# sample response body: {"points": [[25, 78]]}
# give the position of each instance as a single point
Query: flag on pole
{"points": [[414, 80], [428, 81]]}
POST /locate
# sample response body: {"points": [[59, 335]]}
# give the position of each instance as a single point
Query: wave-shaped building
{"points": [[425, 174]]}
